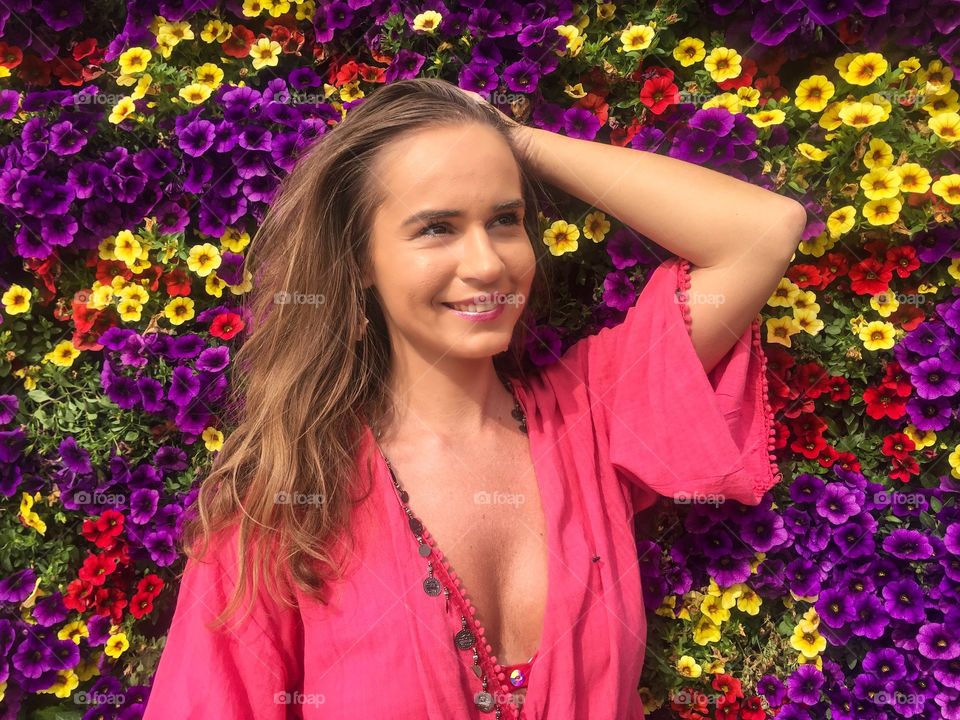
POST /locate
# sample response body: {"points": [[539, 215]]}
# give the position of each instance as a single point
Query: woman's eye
{"points": [[512, 218]]}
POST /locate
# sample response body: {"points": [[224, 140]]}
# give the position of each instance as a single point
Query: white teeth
{"points": [[474, 308]]}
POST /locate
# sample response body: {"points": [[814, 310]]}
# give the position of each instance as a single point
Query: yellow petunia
{"points": [[749, 602], [212, 439], [785, 293], [841, 220], [427, 22], [16, 300], [936, 78], [235, 240], [134, 292], [63, 354], [882, 212], [130, 310], [688, 51], [946, 126], [122, 110], [74, 631], [806, 300], [948, 188], [881, 102], [143, 85], [214, 285], [116, 645], [910, 65], [781, 330], [921, 438], [748, 96], [63, 687], [861, 114], [127, 247], [877, 335], [216, 31], [265, 52], [688, 667], [571, 33], [253, 8], [864, 69], [808, 321], [179, 310], [204, 259], [561, 237], [636, 37], [830, 118], [728, 101], [765, 118], [914, 178], [209, 74], [134, 60], [813, 93], [596, 226], [713, 608], [195, 93], [811, 152], [723, 64], [885, 303], [808, 641], [880, 183], [706, 631], [939, 104], [172, 33], [878, 154]]}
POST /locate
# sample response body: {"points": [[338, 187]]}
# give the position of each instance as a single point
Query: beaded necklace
{"points": [[465, 639]]}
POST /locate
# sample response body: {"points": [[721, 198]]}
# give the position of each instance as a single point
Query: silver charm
{"points": [[484, 701]]}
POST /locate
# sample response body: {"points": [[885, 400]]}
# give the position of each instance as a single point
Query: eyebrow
{"points": [[425, 215]]}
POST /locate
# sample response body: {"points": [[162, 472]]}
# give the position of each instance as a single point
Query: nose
{"points": [[479, 259]]}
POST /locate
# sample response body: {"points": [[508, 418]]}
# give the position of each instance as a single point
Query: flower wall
{"points": [[141, 143]]}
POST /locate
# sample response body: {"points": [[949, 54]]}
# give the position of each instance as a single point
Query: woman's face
{"points": [[424, 262]]}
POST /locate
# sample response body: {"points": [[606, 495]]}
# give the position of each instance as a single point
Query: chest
{"points": [[485, 513]]}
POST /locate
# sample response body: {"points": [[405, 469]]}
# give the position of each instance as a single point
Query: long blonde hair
{"points": [[302, 387]]}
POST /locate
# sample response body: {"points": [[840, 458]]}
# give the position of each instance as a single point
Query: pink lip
{"points": [[479, 317]]}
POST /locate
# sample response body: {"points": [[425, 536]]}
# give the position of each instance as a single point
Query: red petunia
{"points": [[103, 532], [78, 596], [226, 325], [752, 709], [10, 55], [870, 277], [150, 585], [883, 401], [729, 686], [96, 568], [659, 93], [141, 604], [239, 43], [897, 445]]}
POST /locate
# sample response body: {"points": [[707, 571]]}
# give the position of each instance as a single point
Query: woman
{"points": [[414, 525]]}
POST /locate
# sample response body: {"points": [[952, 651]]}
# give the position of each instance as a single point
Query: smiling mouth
{"points": [[474, 308]]}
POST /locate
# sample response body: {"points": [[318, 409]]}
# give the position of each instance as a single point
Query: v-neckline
{"points": [[442, 566]]}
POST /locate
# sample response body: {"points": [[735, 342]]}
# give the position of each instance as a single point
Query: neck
{"points": [[447, 401]]}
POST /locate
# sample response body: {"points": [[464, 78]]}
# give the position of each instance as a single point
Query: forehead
{"points": [[457, 166]]}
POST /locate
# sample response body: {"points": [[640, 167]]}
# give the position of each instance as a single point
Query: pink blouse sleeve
{"points": [[248, 669], [672, 428]]}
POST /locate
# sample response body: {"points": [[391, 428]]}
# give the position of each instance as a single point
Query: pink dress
{"points": [[625, 415]]}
